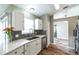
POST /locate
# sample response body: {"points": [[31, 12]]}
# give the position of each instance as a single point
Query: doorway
{"points": [[61, 33]]}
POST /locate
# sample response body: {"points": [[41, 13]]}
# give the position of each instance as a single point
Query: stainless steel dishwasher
{"points": [[43, 42]]}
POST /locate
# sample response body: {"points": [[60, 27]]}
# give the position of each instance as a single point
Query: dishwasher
{"points": [[44, 42]]}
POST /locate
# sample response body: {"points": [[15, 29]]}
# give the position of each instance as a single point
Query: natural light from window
{"points": [[28, 26]]}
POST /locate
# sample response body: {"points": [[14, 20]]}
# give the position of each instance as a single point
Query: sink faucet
{"points": [[31, 30]]}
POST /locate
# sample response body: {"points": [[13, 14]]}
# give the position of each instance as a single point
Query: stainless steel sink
{"points": [[31, 38]]}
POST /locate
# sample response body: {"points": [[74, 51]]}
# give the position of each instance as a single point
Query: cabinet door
{"points": [[14, 52], [18, 51], [27, 49], [33, 48], [18, 20], [38, 24], [38, 46]]}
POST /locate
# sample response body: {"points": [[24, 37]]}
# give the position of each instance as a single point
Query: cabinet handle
{"points": [[16, 52], [23, 52]]}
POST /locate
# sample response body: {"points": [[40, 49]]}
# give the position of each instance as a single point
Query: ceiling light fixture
{"points": [[32, 9], [56, 6]]}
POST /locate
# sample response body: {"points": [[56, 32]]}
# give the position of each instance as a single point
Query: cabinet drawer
{"points": [[27, 49], [38, 46], [18, 51]]}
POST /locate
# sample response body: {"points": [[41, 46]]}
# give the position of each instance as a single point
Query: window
{"points": [[3, 37], [28, 26]]}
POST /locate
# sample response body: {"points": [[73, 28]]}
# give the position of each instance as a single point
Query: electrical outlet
{"points": [[17, 35]]}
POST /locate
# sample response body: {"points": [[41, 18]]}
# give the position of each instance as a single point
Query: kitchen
{"points": [[28, 30], [21, 38]]}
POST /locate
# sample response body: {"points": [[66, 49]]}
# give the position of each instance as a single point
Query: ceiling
{"points": [[37, 9], [41, 9]]}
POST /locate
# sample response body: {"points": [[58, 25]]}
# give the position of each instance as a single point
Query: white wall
{"points": [[62, 29], [46, 26]]}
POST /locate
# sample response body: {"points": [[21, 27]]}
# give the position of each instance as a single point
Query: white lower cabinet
{"points": [[35, 47], [38, 46], [27, 49], [31, 48], [18, 51]]}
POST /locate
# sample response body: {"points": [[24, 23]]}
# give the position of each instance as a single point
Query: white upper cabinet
{"points": [[74, 11], [17, 21], [38, 24]]}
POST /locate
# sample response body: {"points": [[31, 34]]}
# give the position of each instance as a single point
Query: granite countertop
{"points": [[13, 45], [17, 43]]}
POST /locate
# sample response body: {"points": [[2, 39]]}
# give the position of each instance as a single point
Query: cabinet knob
{"points": [[16, 52], [23, 52]]}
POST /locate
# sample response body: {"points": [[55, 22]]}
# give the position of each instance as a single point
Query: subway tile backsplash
{"points": [[40, 32], [18, 34], [14, 33]]}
